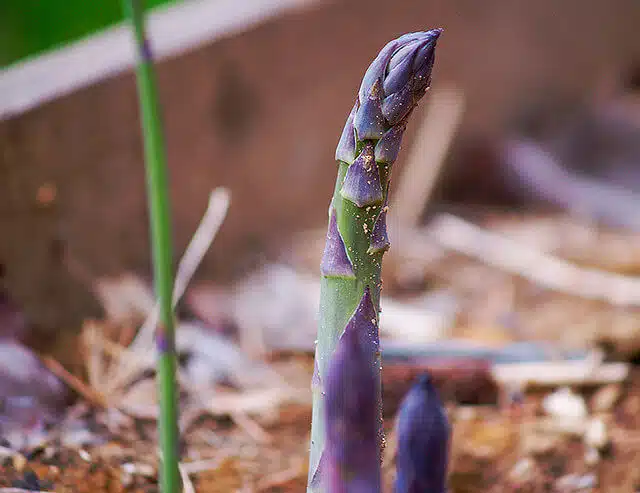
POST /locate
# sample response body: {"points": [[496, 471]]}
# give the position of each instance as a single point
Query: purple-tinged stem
{"points": [[357, 235]]}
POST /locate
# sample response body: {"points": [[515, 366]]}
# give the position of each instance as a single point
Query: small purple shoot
{"points": [[423, 434]]}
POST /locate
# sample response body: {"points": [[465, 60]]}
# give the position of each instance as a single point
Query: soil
{"points": [[502, 441], [493, 449]]}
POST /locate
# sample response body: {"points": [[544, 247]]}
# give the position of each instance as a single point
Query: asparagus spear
{"points": [[154, 150], [423, 441], [357, 235]]}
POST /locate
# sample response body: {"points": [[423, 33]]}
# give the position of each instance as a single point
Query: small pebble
{"points": [[80, 438], [523, 470], [596, 434], [577, 482], [591, 457], [49, 454], [134, 469], [466, 413], [126, 479], [563, 403]]}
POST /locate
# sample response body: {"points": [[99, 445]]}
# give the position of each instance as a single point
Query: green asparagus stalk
{"points": [[159, 209], [357, 235]]}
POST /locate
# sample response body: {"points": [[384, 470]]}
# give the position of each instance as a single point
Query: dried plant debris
{"points": [[491, 450], [31, 397], [532, 402]]}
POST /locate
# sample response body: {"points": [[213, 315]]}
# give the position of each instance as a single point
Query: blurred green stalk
{"points": [[157, 190]]}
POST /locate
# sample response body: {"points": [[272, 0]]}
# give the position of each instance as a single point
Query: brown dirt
{"points": [[489, 453]]}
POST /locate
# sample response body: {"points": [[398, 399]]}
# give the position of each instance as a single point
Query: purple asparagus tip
{"points": [[352, 460], [403, 68], [390, 89], [423, 441]]}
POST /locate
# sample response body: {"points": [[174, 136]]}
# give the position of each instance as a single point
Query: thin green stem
{"points": [[159, 211]]}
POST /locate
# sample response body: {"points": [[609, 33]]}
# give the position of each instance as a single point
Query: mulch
{"points": [[491, 451]]}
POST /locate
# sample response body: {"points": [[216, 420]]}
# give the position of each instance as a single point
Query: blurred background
{"points": [[258, 108], [27, 31], [516, 197]]}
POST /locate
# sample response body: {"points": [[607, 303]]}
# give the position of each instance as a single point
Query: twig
{"points": [[253, 429], [200, 243], [239, 406], [559, 373], [252, 402], [281, 478], [428, 154], [500, 252], [205, 464], [187, 484], [116, 351], [95, 368], [74, 382]]}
